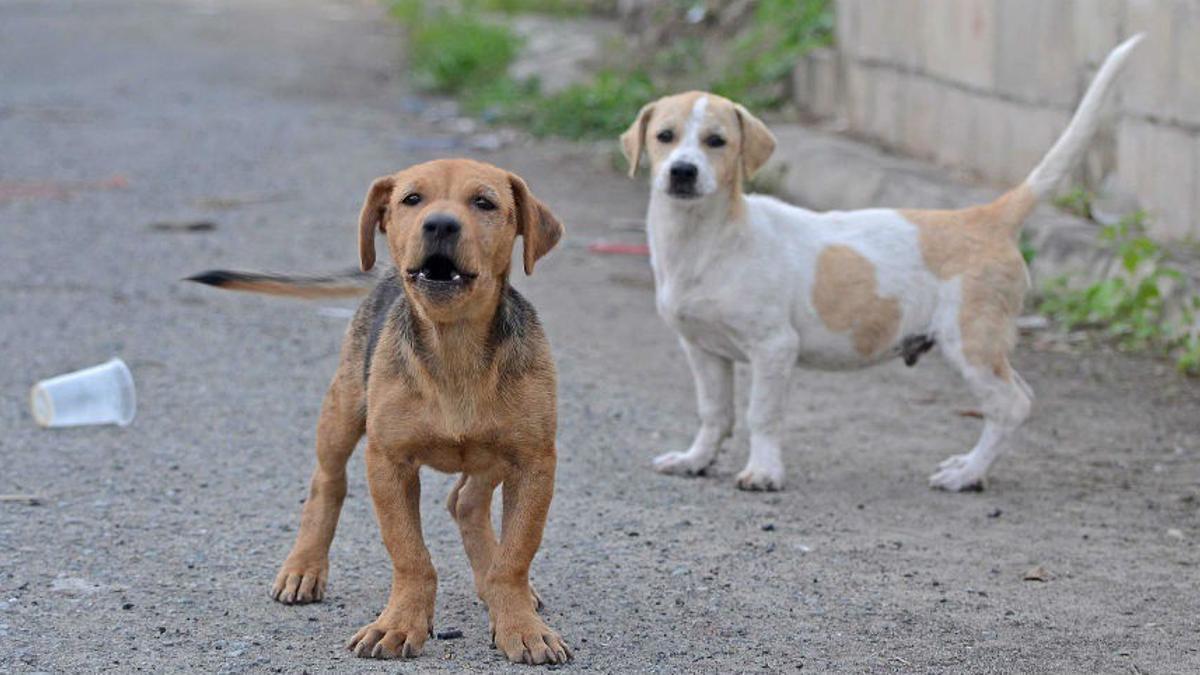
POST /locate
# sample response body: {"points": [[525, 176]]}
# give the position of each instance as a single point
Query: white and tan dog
{"points": [[749, 278]]}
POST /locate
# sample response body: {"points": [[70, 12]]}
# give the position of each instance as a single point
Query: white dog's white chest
{"points": [[702, 319]]}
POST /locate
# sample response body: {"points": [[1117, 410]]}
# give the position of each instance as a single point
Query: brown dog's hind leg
{"points": [[405, 624], [517, 630], [302, 577], [470, 504]]}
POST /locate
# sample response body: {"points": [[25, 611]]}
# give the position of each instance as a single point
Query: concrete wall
{"points": [[987, 85]]}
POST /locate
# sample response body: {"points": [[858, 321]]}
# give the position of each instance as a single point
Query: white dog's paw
{"points": [[681, 464], [760, 479], [958, 474]]}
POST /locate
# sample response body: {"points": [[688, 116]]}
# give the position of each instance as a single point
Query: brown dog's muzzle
{"points": [[440, 274]]}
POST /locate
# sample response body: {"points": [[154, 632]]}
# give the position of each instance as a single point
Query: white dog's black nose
{"points": [[441, 226], [684, 172]]}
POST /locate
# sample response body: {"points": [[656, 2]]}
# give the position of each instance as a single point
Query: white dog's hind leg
{"points": [[771, 371], [714, 399], [1006, 401]]}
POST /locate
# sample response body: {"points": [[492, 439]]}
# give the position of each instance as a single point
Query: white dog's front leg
{"points": [[714, 399], [771, 370]]}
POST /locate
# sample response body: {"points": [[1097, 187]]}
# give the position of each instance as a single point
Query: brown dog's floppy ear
{"points": [[540, 229], [757, 141], [634, 138], [374, 209]]}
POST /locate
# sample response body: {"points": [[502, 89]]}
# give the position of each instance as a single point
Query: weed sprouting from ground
{"points": [[1131, 306], [1078, 202], [450, 51], [764, 55], [455, 48]]}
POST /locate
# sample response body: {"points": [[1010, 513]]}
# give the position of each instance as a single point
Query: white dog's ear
{"points": [[757, 141], [634, 138], [540, 229], [374, 211]]}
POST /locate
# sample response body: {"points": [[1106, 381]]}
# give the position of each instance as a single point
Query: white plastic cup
{"points": [[102, 394]]}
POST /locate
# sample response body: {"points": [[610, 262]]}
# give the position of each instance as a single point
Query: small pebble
{"points": [[1037, 573], [449, 634], [769, 527]]}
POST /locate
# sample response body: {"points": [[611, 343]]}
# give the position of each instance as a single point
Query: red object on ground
{"points": [[50, 189], [619, 249]]}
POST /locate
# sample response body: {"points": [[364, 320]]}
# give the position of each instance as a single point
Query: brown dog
{"points": [[443, 365]]}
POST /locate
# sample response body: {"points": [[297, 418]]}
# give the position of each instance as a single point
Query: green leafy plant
{"points": [[601, 108], [764, 55], [450, 51], [1078, 201], [1028, 250], [553, 7], [1131, 306]]}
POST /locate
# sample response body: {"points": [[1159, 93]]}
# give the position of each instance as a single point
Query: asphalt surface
{"points": [[152, 547]]}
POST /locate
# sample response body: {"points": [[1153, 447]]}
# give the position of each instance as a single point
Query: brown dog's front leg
{"points": [[517, 630], [470, 504], [302, 576], [406, 622]]}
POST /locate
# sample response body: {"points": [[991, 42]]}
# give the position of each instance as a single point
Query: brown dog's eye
{"points": [[714, 141], [411, 200], [665, 136], [483, 204]]}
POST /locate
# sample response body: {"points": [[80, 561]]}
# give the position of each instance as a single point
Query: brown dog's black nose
{"points": [[441, 226]]}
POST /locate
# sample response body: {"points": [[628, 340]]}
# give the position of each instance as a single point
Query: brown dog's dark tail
{"points": [[345, 285]]}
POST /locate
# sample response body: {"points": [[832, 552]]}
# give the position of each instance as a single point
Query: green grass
{"points": [[600, 108], [1078, 201], [452, 50], [552, 7], [1028, 250], [765, 53], [1131, 306], [449, 52]]}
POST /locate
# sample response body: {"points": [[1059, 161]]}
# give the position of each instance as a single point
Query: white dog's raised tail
{"points": [[1071, 144]]}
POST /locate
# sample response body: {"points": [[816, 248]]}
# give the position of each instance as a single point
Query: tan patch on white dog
{"points": [[979, 244], [846, 295]]}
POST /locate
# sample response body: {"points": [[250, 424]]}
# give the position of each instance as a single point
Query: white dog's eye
{"points": [[411, 200], [665, 136], [714, 141]]}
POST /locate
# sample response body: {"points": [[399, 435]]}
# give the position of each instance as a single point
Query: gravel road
{"points": [[152, 547]]}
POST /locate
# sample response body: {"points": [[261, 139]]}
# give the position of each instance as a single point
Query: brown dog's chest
{"points": [[459, 433], [456, 401]]}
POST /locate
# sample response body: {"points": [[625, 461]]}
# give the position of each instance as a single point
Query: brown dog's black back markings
{"points": [[513, 325], [387, 299], [403, 322], [513, 315], [913, 346]]}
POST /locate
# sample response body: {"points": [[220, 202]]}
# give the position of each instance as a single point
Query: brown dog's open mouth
{"points": [[439, 270]]}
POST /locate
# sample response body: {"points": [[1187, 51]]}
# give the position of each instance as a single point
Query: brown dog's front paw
{"points": [[527, 639], [384, 639], [299, 583]]}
